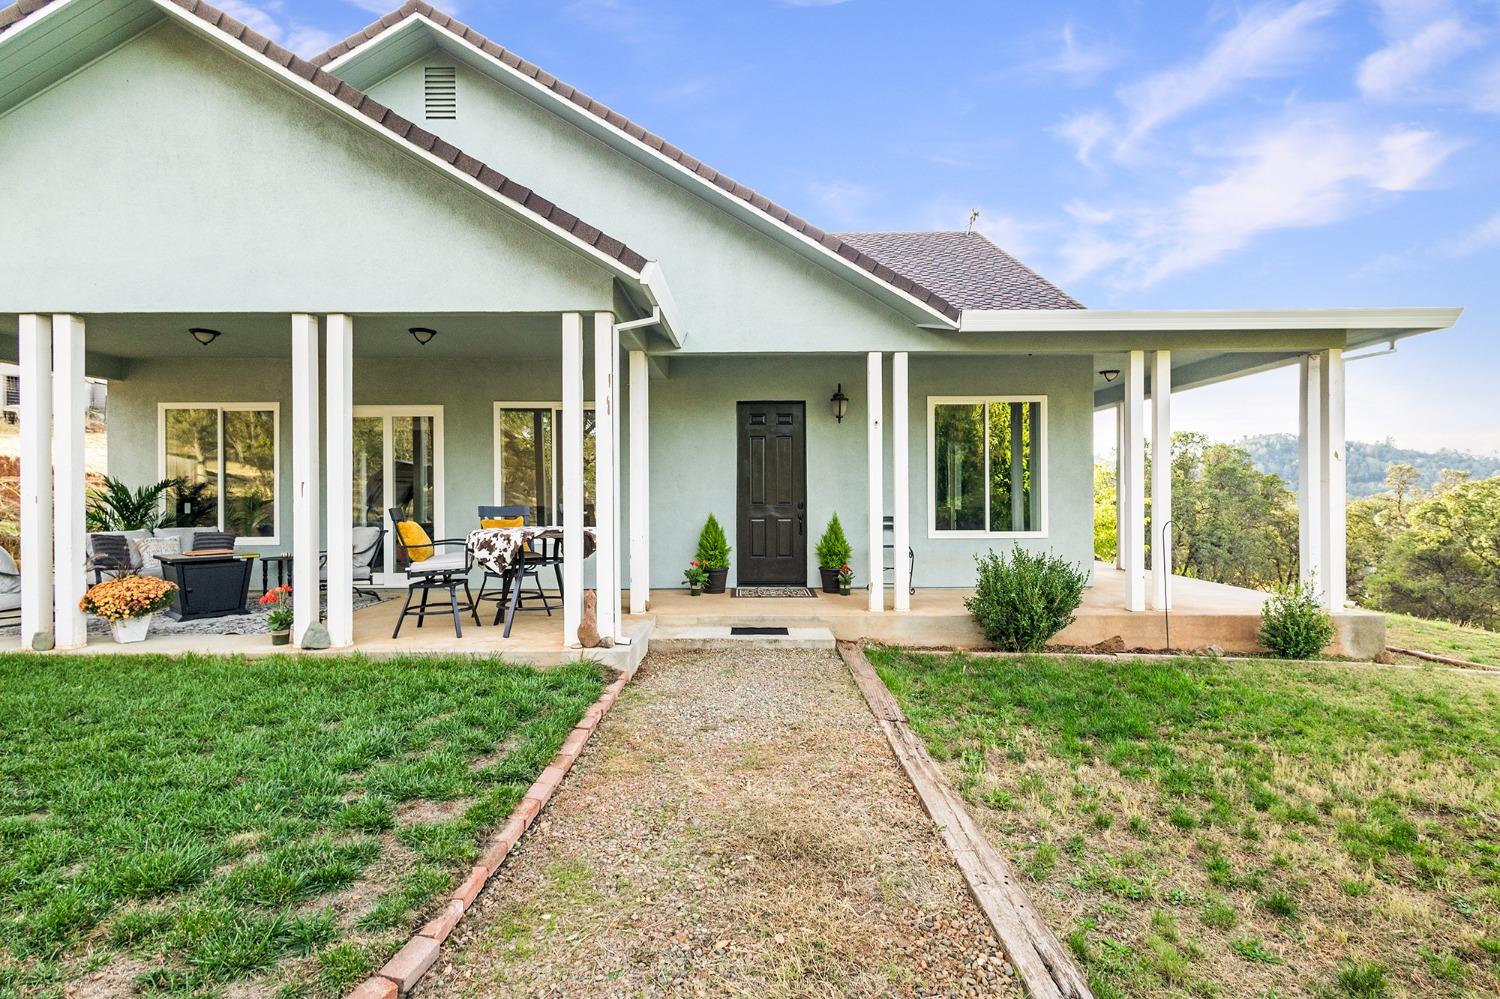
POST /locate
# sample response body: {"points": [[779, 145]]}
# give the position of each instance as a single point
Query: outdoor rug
{"points": [[773, 591]]}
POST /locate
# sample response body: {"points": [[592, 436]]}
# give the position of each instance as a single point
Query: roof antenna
{"points": [[973, 215]]}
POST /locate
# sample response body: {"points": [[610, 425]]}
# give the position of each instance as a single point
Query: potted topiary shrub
{"points": [[713, 555], [834, 552], [127, 603]]}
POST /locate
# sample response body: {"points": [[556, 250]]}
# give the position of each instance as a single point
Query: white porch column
{"points": [[70, 542], [606, 568], [35, 356], [572, 474], [1161, 479], [1332, 530], [900, 475], [875, 404], [306, 511], [1120, 485], [1132, 524], [340, 485], [640, 482], [1310, 473]]}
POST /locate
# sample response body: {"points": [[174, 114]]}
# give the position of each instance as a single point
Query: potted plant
{"points": [[845, 578], [279, 617], [695, 576], [834, 553], [713, 555], [127, 603]]}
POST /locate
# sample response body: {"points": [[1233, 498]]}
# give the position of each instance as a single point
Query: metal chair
{"points": [[447, 571], [369, 544], [911, 555], [110, 556], [530, 563]]}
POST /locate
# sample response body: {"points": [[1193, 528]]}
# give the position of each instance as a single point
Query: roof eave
{"points": [[1381, 321]]}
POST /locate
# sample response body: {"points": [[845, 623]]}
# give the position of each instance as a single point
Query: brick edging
{"points": [[402, 972]]}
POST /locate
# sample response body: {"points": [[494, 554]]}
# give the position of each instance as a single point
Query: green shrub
{"points": [[1293, 625], [713, 546], [834, 550], [1022, 601]]}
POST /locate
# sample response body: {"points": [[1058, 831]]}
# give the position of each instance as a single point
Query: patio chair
{"points": [[369, 543], [532, 559], [110, 557], [10, 590], [427, 570]]}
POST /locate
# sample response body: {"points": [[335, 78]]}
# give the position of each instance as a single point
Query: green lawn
{"points": [[185, 824], [1441, 638], [1235, 828]]}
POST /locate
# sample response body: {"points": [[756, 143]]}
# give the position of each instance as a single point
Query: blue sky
{"points": [[1141, 154]]}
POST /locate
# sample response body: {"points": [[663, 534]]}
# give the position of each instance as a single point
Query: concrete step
{"points": [[697, 637]]}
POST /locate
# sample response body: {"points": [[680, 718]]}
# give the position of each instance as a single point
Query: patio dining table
{"points": [[502, 549]]}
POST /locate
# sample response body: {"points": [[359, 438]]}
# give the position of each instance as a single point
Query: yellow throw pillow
{"points": [[418, 544], [489, 522]]}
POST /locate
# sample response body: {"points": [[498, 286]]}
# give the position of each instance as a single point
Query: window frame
{"points": [[1041, 477], [498, 472], [220, 408]]}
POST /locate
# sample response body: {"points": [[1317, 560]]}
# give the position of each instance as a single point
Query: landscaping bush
{"points": [[834, 550], [713, 546], [1293, 624], [1022, 601]]}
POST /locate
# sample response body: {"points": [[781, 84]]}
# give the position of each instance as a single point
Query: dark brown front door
{"points": [[772, 534]]}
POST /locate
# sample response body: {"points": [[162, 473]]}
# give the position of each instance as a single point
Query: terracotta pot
{"points": [[830, 579], [716, 580], [132, 629], [281, 637]]}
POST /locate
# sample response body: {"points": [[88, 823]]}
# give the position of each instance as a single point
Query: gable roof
{"points": [[517, 197], [965, 268], [845, 252]]}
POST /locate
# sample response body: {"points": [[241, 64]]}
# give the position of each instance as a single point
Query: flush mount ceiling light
{"points": [[840, 403], [203, 335], [422, 334], [1111, 374]]}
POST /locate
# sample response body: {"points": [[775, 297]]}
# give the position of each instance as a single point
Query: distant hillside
{"points": [[1277, 454]]}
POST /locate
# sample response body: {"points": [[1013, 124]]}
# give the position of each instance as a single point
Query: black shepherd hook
{"points": [[1166, 603]]}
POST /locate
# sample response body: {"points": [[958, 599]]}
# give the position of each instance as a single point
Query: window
{"points": [[225, 460], [986, 468], [527, 471]]}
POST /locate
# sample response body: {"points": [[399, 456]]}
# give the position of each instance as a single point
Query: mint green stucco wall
{"points": [[169, 176]]}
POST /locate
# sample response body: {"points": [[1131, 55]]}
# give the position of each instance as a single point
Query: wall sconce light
{"points": [[1111, 374], [840, 403], [422, 334], [204, 336]]}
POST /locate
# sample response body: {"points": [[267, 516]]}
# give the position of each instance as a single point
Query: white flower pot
{"points": [[131, 629]]}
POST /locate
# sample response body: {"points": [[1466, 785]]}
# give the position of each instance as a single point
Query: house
{"points": [[10, 401], [419, 269]]}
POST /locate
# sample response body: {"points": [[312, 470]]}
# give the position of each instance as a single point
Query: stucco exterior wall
{"points": [[171, 177]]}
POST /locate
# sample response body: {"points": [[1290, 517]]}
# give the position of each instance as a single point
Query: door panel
{"points": [[772, 504]]}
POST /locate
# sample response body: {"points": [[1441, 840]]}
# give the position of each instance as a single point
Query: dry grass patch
{"points": [[1203, 827]]}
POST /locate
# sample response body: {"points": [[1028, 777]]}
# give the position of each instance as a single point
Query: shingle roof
{"points": [[922, 291], [965, 268], [522, 197]]}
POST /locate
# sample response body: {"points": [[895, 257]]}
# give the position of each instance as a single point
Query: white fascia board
{"points": [[923, 314], [654, 283], [1406, 321], [317, 93], [30, 21]]}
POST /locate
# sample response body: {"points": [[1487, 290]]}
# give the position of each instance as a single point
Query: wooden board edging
{"points": [[1043, 965]]}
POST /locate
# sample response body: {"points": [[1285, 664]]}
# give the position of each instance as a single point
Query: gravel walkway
{"points": [[738, 827]]}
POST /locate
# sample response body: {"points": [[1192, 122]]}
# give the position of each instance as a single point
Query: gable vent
{"points": [[440, 90]]}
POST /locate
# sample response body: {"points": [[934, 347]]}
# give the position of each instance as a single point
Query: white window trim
{"points": [[274, 408], [933, 402], [499, 473], [385, 574]]}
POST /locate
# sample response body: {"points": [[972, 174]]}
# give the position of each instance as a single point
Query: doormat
{"points": [[773, 591], [781, 632]]}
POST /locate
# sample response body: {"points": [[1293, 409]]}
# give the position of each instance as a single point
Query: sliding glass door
{"points": [[527, 472], [398, 462]]}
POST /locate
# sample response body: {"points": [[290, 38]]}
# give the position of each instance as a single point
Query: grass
{"points": [[192, 823], [1441, 638], [1309, 830]]}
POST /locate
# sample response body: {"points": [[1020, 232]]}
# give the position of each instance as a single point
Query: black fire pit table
{"points": [[209, 584]]}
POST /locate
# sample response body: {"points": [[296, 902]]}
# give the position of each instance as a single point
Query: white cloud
{"points": [[1481, 237], [1484, 91], [1085, 132], [1266, 41], [1394, 71], [1081, 61], [266, 18]]}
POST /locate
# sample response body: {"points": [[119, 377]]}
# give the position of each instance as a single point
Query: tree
{"points": [[1230, 523], [1447, 562], [1106, 512], [1401, 480]]}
